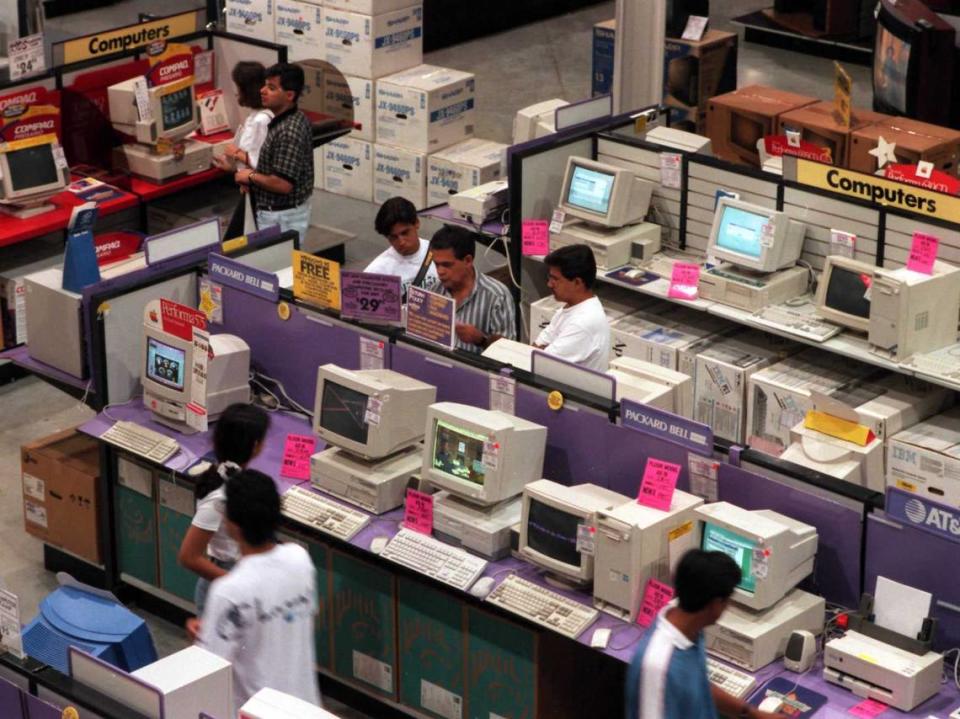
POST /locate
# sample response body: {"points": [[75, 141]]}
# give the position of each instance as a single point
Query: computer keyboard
{"points": [[141, 441], [433, 558], [936, 364], [542, 606], [796, 323], [314, 510], [732, 681]]}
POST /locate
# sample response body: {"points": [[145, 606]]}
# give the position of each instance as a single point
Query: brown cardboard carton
{"points": [[736, 121], [818, 125], [60, 476], [914, 140], [695, 71]]}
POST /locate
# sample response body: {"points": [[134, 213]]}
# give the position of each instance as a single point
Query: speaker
{"points": [[801, 651]]}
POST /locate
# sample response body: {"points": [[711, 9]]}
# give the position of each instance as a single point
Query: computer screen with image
{"points": [[741, 231], [343, 412], [552, 532], [459, 452], [590, 189], [740, 549], [604, 194], [754, 237], [176, 108], [165, 363]]}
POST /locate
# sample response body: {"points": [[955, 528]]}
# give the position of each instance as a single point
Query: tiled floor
{"points": [[514, 69]]}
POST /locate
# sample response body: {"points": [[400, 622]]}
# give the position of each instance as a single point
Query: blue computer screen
{"points": [[165, 364], [590, 190], [740, 549], [741, 231]]}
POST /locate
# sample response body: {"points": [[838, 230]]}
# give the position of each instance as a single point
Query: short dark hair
{"points": [[253, 504], [574, 261], [702, 577], [248, 76], [235, 437], [394, 210], [291, 77], [458, 239]]}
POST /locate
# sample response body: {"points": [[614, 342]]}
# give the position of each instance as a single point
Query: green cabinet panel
{"points": [[501, 669], [364, 627], [175, 512], [136, 521], [320, 554], [430, 627]]}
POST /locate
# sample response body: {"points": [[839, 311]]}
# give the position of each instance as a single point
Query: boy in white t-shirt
{"points": [[579, 331], [408, 255], [260, 616]]}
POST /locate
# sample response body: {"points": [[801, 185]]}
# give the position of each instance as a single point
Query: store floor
{"points": [[514, 69]]}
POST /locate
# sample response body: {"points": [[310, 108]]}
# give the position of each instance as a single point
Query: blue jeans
{"points": [[296, 218]]}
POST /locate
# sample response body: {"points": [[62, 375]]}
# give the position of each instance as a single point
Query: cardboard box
{"points": [[253, 18], [425, 108], [348, 168], [925, 459], [368, 7], [398, 172], [694, 72], [737, 120], [373, 46], [818, 125], [61, 493], [299, 26], [349, 97], [462, 166], [604, 40], [915, 141]]}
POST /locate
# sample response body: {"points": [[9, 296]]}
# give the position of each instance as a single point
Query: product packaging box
{"points": [[399, 172], [723, 368], [253, 18], [737, 120], [299, 26], [373, 45], [915, 141], [348, 168], [604, 39], [426, 108], [818, 125], [318, 173], [695, 71], [61, 477], [347, 97], [367, 7], [462, 166], [925, 459]]}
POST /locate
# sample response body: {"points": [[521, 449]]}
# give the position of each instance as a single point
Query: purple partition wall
{"points": [[911, 556], [454, 382], [837, 574], [290, 350], [11, 706], [39, 709]]}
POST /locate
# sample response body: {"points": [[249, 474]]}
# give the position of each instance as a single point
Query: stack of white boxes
{"points": [[467, 164], [253, 18], [299, 25]]}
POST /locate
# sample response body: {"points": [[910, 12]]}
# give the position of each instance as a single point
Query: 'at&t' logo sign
{"points": [[940, 520]]}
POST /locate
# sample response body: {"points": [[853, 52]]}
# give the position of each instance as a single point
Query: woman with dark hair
{"points": [[248, 76], [207, 549]]}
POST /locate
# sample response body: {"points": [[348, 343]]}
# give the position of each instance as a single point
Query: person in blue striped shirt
{"points": [[667, 678]]}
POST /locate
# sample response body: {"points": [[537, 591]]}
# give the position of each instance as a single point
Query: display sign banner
{"points": [[779, 145], [169, 64], [431, 317], [23, 126], [316, 280], [130, 37], [176, 319], [26, 56], [938, 519], [658, 423], [249, 279], [878, 190], [938, 181], [369, 297]]}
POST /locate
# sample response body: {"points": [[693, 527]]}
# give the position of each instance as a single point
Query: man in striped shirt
{"points": [[485, 310], [667, 678]]}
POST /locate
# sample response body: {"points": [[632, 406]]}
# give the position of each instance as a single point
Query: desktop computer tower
{"points": [[54, 323]]}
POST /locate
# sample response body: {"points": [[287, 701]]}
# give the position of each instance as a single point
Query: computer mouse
{"points": [[378, 543], [199, 468], [482, 587], [771, 704], [634, 274]]}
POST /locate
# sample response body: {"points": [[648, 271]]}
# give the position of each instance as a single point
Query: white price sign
{"points": [[26, 56]]}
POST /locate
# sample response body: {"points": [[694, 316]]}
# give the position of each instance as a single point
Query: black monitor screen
{"points": [[553, 533], [342, 412], [32, 167], [176, 108], [848, 292]]}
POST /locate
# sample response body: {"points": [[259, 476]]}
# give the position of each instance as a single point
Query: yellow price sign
{"points": [[316, 280]]}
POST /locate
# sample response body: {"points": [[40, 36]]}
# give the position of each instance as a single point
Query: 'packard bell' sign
{"points": [[656, 422]]}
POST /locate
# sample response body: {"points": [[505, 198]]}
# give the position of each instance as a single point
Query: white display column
{"points": [[638, 54]]}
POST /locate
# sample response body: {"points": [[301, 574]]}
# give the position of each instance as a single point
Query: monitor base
{"points": [[733, 286], [483, 530], [563, 583], [377, 486], [612, 247], [141, 161], [25, 212]]}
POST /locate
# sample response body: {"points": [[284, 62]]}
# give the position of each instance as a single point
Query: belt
{"points": [[274, 208]]}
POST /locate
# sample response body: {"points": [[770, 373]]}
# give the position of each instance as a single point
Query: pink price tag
{"points": [[418, 512], [296, 456], [684, 281], [659, 481], [535, 237], [923, 253], [867, 709], [655, 596]]}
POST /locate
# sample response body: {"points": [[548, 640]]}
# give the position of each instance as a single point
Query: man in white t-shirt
{"points": [[408, 255], [260, 616], [579, 331]]}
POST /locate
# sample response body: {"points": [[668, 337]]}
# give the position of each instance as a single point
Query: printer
{"points": [[877, 663]]}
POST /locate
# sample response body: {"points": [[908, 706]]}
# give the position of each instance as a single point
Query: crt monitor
{"points": [[551, 521], [604, 194], [774, 552], [754, 237], [481, 456], [370, 413], [31, 173], [173, 112], [843, 294]]}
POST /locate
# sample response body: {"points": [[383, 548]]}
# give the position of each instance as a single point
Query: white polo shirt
{"points": [[579, 334]]}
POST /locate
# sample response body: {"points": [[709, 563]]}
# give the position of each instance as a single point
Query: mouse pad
{"points": [[798, 701], [641, 279]]}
